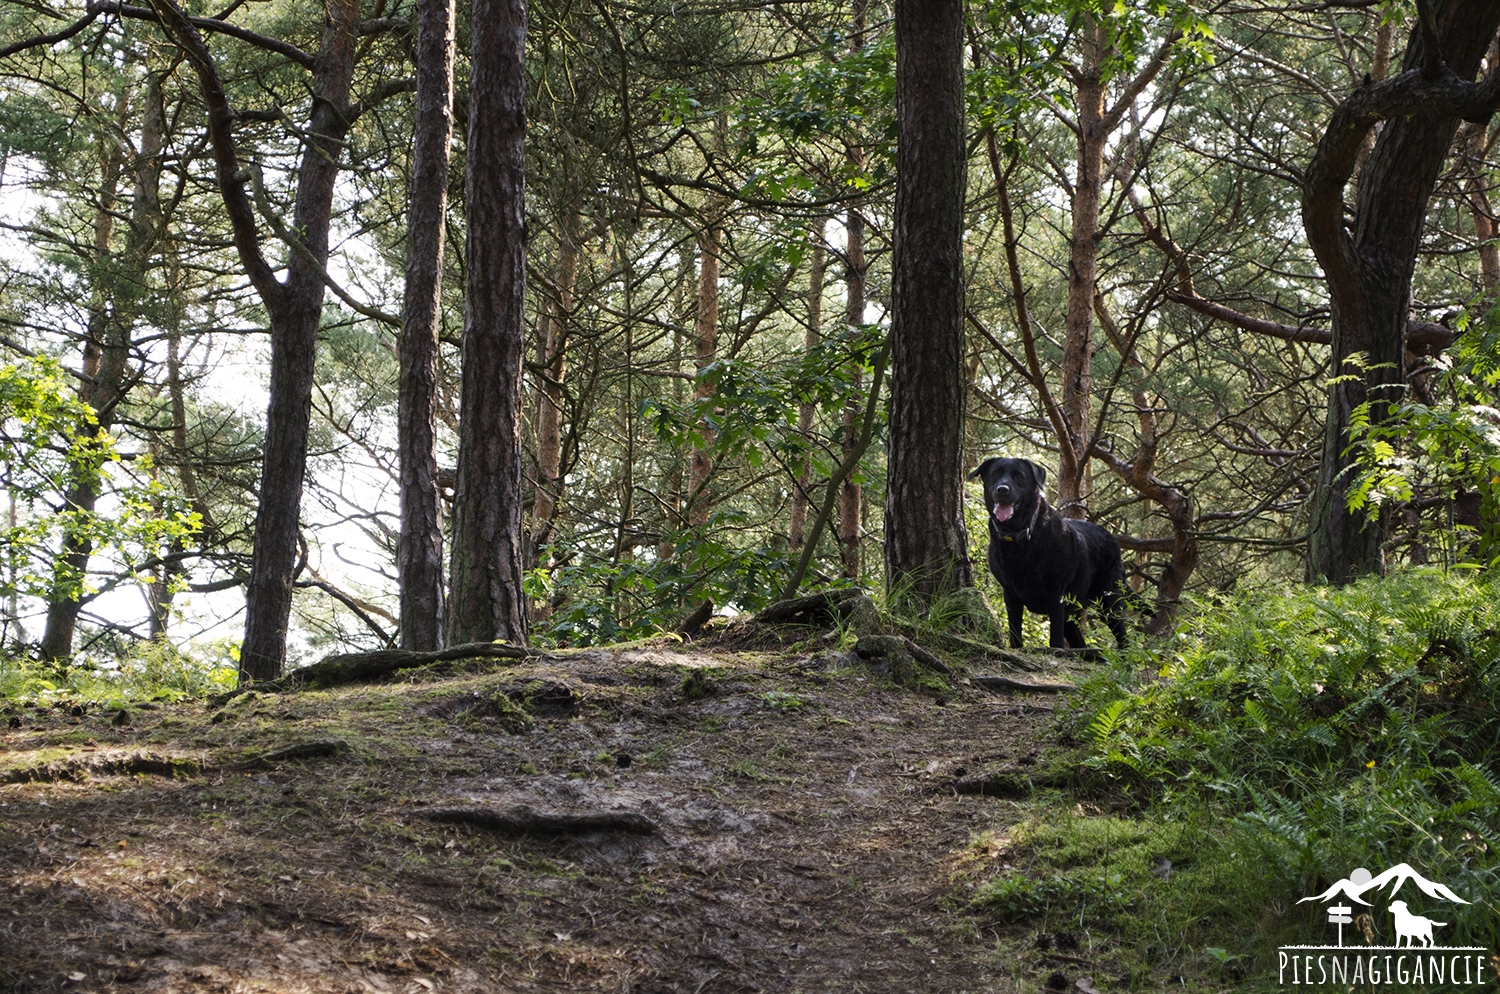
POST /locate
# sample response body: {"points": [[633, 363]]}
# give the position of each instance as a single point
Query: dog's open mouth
{"points": [[1004, 511]]}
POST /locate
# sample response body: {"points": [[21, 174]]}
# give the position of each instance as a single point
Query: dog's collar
{"points": [[1030, 525]]}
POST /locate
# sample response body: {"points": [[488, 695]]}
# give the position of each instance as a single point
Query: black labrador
{"points": [[1045, 562]]}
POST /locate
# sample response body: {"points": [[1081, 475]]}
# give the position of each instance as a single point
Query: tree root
{"points": [[356, 667], [1002, 684], [525, 821], [849, 606], [78, 768], [313, 749], [694, 622]]}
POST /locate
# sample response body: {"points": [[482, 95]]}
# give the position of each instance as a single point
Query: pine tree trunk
{"points": [[119, 288], [1083, 270], [797, 531], [1368, 263], [851, 496], [419, 555], [295, 319], [926, 543], [487, 601], [706, 345], [549, 416]]}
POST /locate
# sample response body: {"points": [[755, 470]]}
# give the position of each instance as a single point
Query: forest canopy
{"points": [[1252, 353]]}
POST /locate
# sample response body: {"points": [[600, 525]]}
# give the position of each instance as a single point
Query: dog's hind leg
{"points": [[1072, 630], [1113, 605]]}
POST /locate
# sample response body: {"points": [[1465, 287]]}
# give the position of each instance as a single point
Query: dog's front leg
{"points": [[1013, 611]]}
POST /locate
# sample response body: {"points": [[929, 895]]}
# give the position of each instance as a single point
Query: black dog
{"points": [[1045, 562]]}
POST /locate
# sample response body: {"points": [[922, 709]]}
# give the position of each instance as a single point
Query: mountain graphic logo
{"points": [[1412, 955], [1361, 882]]}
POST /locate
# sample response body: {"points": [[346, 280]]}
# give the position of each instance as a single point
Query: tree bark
{"points": [[119, 287], [1476, 189], [851, 500], [1368, 266], [706, 345], [1096, 124], [162, 592], [926, 546], [82, 494], [851, 496], [294, 338], [556, 315], [802, 486], [487, 601], [419, 555], [1083, 268]]}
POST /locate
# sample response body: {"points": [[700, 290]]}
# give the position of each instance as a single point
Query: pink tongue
{"points": [[1004, 511]]}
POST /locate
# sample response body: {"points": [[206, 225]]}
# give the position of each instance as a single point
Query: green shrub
{"points": [[1314, 731], [149, 670]]}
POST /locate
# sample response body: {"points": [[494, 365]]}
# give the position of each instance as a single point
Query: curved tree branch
{"points": [[226, 157], [297, 55], [42, 41]]}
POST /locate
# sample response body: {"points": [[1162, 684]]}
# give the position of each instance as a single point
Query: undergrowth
{"points": [[152, 670], [1289, 739]]}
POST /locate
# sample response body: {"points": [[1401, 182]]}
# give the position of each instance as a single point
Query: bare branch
{"points": [[42, 41]]}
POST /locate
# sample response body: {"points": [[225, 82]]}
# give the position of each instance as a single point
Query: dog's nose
{"points": [[1003, 493]]}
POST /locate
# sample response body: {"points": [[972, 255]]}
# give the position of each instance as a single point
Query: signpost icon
{"points": [[1339, 915]]}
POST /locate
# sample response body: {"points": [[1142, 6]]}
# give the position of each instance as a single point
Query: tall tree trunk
{"points": [[851, 496], [557, 314], [294, 339], [120, 285], [293, 308], [672, 495], [163, 594], [1476, 188], [73, 560], [926, 547], [706, 345], [1368, 264], [797, 531], [1083, 267], [419, 555], [487, 601]]}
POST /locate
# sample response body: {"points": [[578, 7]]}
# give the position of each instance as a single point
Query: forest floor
{"points": [[750, 812]]}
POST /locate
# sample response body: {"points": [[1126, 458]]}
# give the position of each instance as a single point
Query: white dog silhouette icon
{"points": [[1412, 927]]}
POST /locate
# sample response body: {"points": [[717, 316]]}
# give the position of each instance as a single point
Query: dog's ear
{"points": [[1040, 473], [979, 470]]}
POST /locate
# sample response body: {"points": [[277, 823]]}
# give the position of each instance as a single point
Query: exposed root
{"points": [[104, 764], [525, 821], [1007, 685], [301, 750]]}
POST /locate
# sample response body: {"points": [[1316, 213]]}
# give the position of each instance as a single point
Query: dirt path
{"points": [[804, 835]]}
